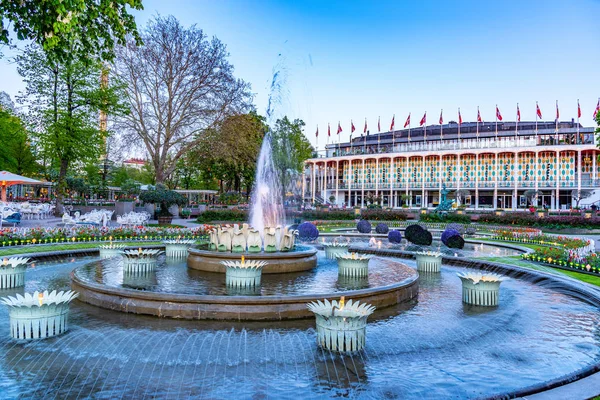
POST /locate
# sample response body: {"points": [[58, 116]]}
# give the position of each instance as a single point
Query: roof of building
{"points": [[135, 161]]}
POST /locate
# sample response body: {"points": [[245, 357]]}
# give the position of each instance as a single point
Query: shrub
{"points": [[382, 228], [460, 228], [222, 215], [163, 197], [395, 236], [417, 235], [471, 230], [383, 215], [307, 232], [447, 234], [336, 215], [455, 242], [363, 226]]}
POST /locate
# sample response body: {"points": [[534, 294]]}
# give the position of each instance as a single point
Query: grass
{"points": [[59, 247]]}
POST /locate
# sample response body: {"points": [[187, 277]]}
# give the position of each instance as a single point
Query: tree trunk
{"points": [[60, 187]]}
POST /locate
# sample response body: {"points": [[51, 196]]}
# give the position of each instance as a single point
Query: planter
{"points": [[333, 249], [541, 214], [499, 212], [429, 262], [39, 316], [341, 327], [460, 211], [243, 274], [587, 215], [481, 289], [165, 220], [353, 265], [12, 272]]}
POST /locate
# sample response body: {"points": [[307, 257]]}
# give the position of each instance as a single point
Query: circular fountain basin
{"points": [[302, 258], [179, 292]]}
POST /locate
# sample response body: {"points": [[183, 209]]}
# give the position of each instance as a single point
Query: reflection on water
{"points": [[433, 347]]}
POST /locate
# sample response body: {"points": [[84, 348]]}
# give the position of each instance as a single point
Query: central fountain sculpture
{"points": [[227, 238]]}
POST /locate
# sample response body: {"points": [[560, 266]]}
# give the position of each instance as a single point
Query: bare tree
{"points": [[180, 85], [462, 194], [531, 195], [580, 194]]}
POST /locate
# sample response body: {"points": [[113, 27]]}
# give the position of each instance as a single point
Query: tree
{"points": [[290, 149], [230, 151], [77, 29], [16, 154], [180, 85], [63, 101], [531, 195], [580, 194]]}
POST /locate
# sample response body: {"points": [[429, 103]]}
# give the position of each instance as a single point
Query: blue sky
{"points": [[363, 59]]}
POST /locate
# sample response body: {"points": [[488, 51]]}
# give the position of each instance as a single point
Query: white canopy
{"points": [[9, 179]]}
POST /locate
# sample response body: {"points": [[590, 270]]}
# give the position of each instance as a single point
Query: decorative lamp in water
{"points": [[353, 265], [177, 248], [140, 260], [428, 261], [341, 326], [39, 315], [243, 274], [332, 249], [110, 250], [12, 272], [481, 289]]}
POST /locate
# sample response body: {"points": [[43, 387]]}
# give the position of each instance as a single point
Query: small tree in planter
{"points": [[165, 199], [531, 195], [579, 195]]}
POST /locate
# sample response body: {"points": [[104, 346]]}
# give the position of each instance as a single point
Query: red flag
{"points": [[407, 123], [538, 111], [378, 124], [328, 129], [441, 118], [557, 113], [597, 110], [339, 128], [365, 131], [518, 114], [578, 110], [479, 116], [352, 128], [498, 115], [459, 117], [317, 134], [424, 119], [392, 126]]}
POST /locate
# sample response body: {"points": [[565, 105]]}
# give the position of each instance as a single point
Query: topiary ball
{"points": [[447, 234], [307, 232], [363, 226], [395, 236], [382, 228], [417, 235], [471, 230], [455, 242], [457, 227]]}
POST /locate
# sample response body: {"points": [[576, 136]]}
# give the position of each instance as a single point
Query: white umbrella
{"points": [[8, 179]]}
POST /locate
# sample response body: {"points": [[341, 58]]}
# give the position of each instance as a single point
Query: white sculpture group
{"points": [[247, 239]]}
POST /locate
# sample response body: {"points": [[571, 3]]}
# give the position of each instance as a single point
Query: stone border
{"points": [[43, 255], [582, 292], [240, 308], [277, 263]]}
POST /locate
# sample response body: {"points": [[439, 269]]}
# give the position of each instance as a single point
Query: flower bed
{"points": [[534, 236], [230, 215], [19, 236]]}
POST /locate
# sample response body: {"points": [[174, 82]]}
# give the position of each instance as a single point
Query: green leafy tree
{"points": [[75, 29], [16, 153], [163, 197], [63, 101], [290, 149]]}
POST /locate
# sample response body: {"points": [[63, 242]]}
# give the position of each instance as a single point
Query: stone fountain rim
{"points": [[228, 255]]}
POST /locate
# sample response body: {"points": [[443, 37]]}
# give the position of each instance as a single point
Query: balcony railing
{"points": [[585, 183]]}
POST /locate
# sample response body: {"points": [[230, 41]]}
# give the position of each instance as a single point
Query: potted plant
{"points": [[185, 214], [165, 199]]}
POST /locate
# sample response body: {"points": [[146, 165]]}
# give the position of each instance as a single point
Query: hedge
{"points": [[383, 215], [449, 217], [223, 215]]}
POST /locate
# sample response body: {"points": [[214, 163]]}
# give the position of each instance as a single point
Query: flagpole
{"points": [[317, 140], [537, 107], [409, 127], [556, 124], [577, 121], [393, 132], [496, 122], [477, 134], [425, 129], [378, 134], [517, 123], [441, 126], [459, 123]]}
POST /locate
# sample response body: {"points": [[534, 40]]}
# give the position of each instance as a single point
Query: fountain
{"points": [[39, 316], [481, 289], [141, 260], [332, 249], [353, 265], [111, 250], [12, 272], [341, 327], [428, 261], [243, 274], [177, 248]]}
